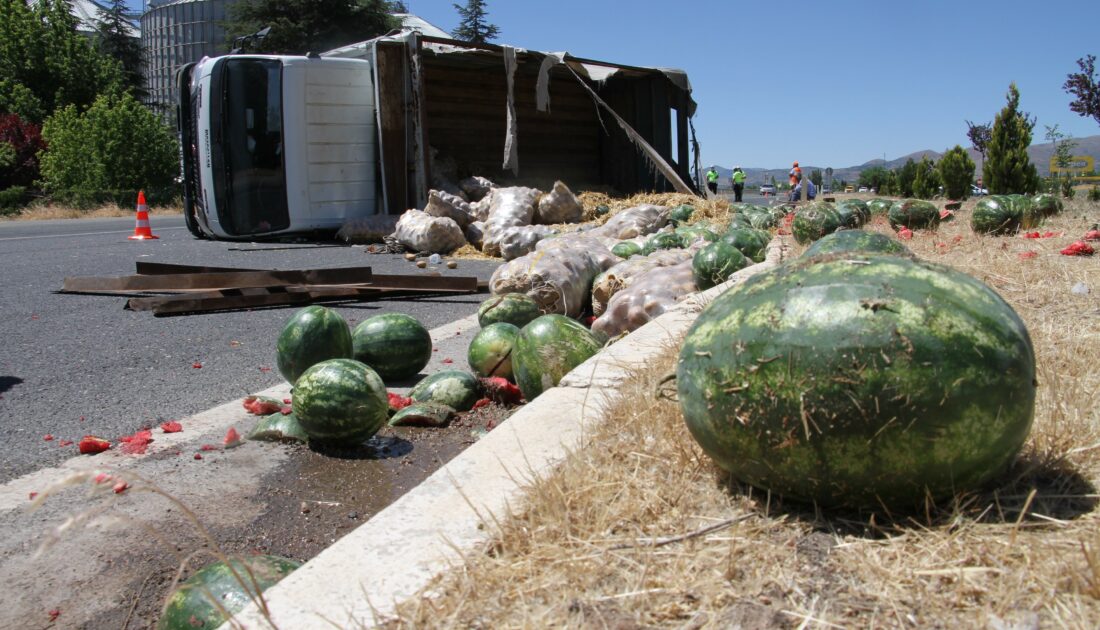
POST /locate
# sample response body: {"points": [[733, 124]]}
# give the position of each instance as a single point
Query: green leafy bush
{"points": [[108, 153], [12, 200], [956, 170], [20, 142], [926, 179], [1094, 193], [1067, 188]]}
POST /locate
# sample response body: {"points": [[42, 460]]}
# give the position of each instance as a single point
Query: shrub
{"points": [[108, 153], [20, 142], [1008, 168], [956, 171], [926, 179], [12, 200], [1067, 188], [1094, 193]]}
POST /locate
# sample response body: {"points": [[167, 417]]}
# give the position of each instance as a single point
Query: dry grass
{"points": [[39, 212], [617, 537]]}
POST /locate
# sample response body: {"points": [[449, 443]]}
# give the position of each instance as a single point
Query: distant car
{"points": [[863, 189], [975, 191], [767, 189], [849, 189]]}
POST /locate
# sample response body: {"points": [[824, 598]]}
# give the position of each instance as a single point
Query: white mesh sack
{"points": [[559, 279], [511, 207], [421, 232], [560, 205], [623, 274], [648, 296], [442, 204]]}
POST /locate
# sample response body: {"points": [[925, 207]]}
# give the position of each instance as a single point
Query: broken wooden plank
{"points": [[219, 280], [426, 282], [224, 301]]}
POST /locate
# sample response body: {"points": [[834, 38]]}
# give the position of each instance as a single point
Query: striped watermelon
{"points": [[749, 241], [312, 335], [854, 241], [340, 402], [232, 585], [814, 221], [879, 206], [513, 308], [626, 249], [549, 348], [994, 215], [915, 214], [454, 388], [715, 263], [490, 351], [662, 240], [853, 212], [394, 345], [859, 379]]}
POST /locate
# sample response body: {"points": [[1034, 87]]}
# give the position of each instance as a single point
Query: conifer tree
{"points": [[474, 26], [116, 38], [926, 180], [1008, 169], [956, 171]]}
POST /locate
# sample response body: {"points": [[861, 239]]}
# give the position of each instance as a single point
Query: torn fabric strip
{"points": [[511, 142]]}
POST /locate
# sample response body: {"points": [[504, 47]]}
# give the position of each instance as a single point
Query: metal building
{"points": [[176, 32]]}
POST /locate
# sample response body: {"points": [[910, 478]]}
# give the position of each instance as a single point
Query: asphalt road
{"points": [[72, 365]]}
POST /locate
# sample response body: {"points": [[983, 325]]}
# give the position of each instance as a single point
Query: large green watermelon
{"points": [[340, 402], [490, 351], [681, 214], [1022, 206], [662, 240], [547, 349], [513, 308], [814, 221], [853, 212], [1046, 204], [854, 241], [312, 335], [626, 249], [715, 263], [915, 214], [454, 388], [860, 380], [749, 241], [879, 206], [190, 607], [691, 233], [995, 215], [394, 345]]}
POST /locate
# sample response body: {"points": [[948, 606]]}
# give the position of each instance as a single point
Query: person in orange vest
{"points": [[795, 175]]}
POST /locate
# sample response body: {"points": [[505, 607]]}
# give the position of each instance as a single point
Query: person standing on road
{"points": [[712, 180], [795, 175], [796, 192], [738, 179]]}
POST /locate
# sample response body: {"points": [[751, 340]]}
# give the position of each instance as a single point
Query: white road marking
{"points": [[25, 238]]}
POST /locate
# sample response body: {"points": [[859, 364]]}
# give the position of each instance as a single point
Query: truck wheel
{"points": [[193, 225]]}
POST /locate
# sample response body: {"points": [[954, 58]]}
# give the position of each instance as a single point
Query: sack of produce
{"points": [[647, 297], [441, 204], [623, 274], [511, 207], [560, 205], [633, 222], [476, 188], [421, 232], [558, 278], [514, 242]]}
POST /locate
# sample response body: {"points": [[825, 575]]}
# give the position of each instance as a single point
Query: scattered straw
{"points": [[584, 552]]}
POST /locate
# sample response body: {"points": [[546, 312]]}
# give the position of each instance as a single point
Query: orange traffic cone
{"points": [[142, 231]]}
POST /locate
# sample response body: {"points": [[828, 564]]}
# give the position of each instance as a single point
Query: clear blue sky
{"points": [[825, 83]]}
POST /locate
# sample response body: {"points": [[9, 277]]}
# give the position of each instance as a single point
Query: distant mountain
{"points": [[1039, 154]]}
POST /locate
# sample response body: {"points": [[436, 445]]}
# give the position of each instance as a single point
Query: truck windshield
{"points": [[252, 195]]}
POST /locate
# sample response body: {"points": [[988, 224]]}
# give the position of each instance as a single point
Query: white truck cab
{"points": [[276, 144]]}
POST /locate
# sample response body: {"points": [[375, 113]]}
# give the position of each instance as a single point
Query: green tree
{"points": [[979, 135], [474, 26], [926, 179], [45, 63], [301, 26], [956, 172], [815, 177], [115, 37], [905, 176], [1086, 87], [1008, 168], [874, 177], [109, 152]]}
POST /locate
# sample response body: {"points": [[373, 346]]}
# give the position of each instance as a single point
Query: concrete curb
{"points": [[364, 575]]}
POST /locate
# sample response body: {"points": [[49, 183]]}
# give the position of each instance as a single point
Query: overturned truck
{"points": [[274, 145]]}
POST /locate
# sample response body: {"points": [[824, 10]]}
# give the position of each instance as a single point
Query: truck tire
{"points": [[193, 225]]}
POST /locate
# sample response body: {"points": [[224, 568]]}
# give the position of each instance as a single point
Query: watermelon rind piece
{"points": [[915, 214], [862, 380], [279, 427], [549, 348], [715, 263], [490, 351], [340, 402], [423, 414], [313, 334], [394, 345], [855, 241], [454, 388], [516, 309], [190, 606]]}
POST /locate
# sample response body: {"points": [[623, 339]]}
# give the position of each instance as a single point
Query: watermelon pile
{"points": [[859, 378], [394, 345]]}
